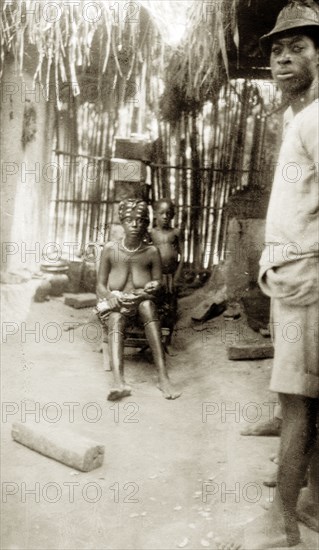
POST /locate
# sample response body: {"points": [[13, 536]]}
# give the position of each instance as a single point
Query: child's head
{"points": [[134, 216], [164, 212]]}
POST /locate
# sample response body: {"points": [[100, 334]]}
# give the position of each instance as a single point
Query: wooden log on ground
{"points": [[61, 444], [249, 350]]}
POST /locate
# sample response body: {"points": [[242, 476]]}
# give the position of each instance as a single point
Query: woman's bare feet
{"points": [[168, 391], [307, 510], [123, 390]]}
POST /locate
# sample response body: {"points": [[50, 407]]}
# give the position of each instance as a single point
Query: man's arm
{"points": [[309, 134]]}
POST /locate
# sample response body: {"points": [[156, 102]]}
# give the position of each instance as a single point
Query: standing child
{"points": [[168, 241]]}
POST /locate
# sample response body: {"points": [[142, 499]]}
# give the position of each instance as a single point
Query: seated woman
{"points": [[129, 279]]}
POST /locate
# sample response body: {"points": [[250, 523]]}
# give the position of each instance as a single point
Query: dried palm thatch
{"points": [[76, 42], [119, 46], [200, 65]]}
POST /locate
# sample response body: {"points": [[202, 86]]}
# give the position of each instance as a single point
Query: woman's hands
{"points": [[129, 299], [117, 298]]}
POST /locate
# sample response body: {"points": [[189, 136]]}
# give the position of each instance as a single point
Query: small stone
{"points": [[204, 514], [184, 542], [134, 515], [204, 543], [210, 535], [153, 476], [177, 508], [143, 514], [42, 292]]}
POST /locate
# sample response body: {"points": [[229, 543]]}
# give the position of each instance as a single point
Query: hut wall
{"points": [[26, 143]]}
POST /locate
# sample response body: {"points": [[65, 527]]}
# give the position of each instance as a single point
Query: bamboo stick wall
{"points": [[200, 162], [208, 157]]}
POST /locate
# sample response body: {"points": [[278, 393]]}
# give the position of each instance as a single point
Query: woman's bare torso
{"points": [[130, 271]]}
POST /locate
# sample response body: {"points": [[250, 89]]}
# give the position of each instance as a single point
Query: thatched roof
{"points": [[83, 43], [112, 50]]}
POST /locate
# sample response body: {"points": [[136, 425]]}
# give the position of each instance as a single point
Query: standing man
{"points": [[289, 275], [289, 268]]}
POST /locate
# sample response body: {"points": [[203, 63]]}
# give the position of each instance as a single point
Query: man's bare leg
{"points": [[278, 528], [116, 330], [149, 316], [271, 479], [308, 502]]}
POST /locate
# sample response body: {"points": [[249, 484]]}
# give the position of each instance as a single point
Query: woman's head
{"points": [[134, 216]]}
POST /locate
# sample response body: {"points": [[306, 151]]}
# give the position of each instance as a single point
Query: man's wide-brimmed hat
{"points": [[293, 16]]}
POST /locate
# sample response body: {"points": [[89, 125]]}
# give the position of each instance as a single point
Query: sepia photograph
{"points": [[159, 168]]}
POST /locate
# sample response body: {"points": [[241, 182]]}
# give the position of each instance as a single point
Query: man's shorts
{"points": [[296, 360]]}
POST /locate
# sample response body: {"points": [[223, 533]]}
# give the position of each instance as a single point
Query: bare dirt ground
{"points": [[176, 474]]}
